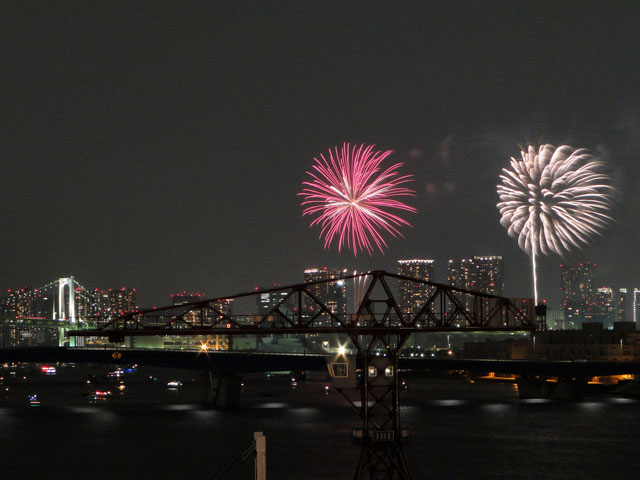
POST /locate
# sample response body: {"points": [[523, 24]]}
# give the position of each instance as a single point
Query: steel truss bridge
{"points": [[378, 328]]}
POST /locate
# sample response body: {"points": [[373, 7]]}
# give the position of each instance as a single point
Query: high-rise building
{"points": [[604, 310], [26, 304], [636, 306], [413, 295], [184, 297], [332, 294], [479, 274], [622, 306], [460, 273], [20, 312], [489, 274], [122, 301], [578, 293], [266, 301]]}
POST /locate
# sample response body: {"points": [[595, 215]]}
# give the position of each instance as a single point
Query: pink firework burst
{"points": [[353, 198]]}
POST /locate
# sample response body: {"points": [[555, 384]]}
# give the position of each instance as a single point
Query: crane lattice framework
{"points": [[378, 330]]}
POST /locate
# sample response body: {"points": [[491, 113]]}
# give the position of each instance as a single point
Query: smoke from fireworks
{"points": [[554, 199], [354, 198]]}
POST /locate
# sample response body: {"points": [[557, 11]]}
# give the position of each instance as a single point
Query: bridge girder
{"points": [[301, 311]]}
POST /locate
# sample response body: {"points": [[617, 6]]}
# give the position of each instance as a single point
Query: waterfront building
{"points": [[590, 342], [414, 295], [636, 305]]}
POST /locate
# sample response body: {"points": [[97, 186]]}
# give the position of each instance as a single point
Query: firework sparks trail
{"points": [[554, 199], [354, 198], [359, 287]]}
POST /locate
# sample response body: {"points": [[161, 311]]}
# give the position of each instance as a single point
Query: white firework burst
{"points": [[554, 199]]}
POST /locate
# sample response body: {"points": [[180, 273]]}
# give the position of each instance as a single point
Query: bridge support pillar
{"points": [[532, 387], [570, 389], [220, 390]]}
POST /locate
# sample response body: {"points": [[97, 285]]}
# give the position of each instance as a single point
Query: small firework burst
{"points": [[354, 199]]}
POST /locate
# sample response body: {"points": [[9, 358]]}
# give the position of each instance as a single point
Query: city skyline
{"points": [[166, 149], [475, 273]]}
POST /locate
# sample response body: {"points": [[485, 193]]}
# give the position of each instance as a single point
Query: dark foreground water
{"points": [[458, 430]]}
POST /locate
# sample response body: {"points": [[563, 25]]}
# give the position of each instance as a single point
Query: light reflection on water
{"points": [[105, 416], [591, 405], [304, 411], [202, 414], [623, 400], [535, 400], [497, 407], [272, 405], [456, 431], [449, 403], [81, 410], [180, 408]]}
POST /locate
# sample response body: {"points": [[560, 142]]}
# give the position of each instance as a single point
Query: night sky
{"points": [[161, 145]]}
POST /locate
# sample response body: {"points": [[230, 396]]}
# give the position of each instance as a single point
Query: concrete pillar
{"points": [[532, 387], [261, 456], [569, 389]]}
